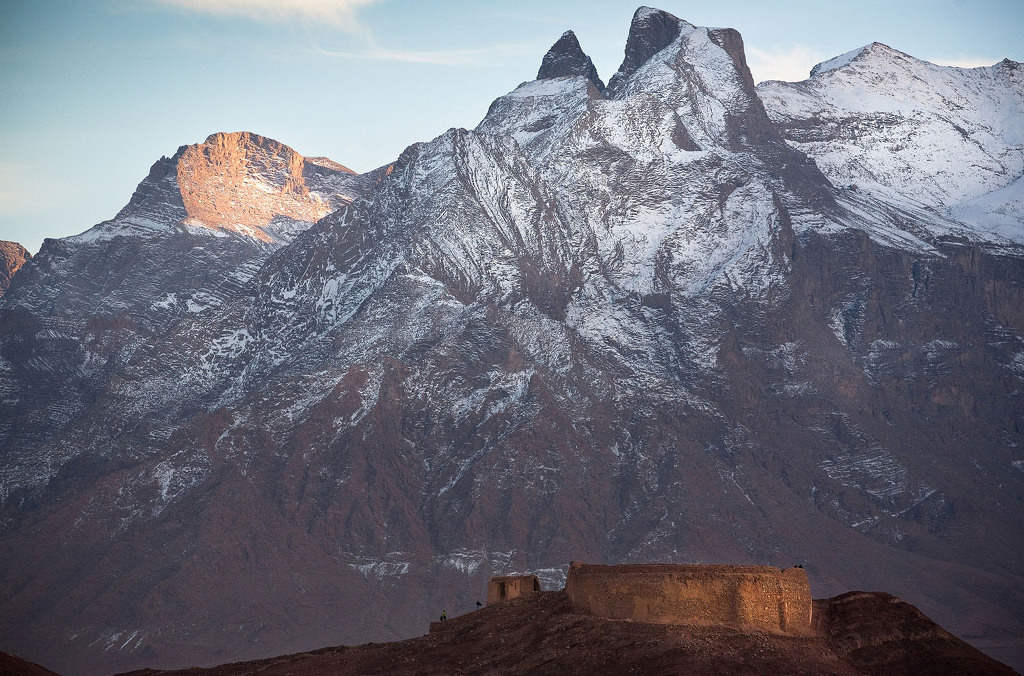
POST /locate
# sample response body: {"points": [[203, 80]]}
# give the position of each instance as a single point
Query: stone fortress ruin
{"points": [[758, 598], [746, 598], [510, 587]]}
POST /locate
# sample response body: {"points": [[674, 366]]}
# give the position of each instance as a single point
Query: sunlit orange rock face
{"points": [[12, 257], [241, 182]]}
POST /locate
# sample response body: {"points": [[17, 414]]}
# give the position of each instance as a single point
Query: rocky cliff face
{"points": [[12, 257], [637, 324], [566, 59], [193, 235], [237, 183]]}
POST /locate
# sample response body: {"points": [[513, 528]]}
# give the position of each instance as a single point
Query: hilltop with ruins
{"points": [[658, 618]]}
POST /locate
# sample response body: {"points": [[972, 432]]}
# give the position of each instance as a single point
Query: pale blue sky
{"points": [[92, 93]]}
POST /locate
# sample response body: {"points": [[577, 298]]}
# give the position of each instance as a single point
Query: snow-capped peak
{"points": [[875, 54], [912, 132], [837, 61]]}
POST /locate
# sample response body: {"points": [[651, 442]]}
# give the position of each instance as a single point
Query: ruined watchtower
{"points": [[510, 587]]}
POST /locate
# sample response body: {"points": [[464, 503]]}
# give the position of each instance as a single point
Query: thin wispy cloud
{"points": [[453, 57], [334, 15], [790, 64], [338, 13]]}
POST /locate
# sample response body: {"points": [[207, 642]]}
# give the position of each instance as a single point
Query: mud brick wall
{"points": [[510, 587], [760, 598]]}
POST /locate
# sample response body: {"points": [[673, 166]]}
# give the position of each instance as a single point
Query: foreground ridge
{"points": [[545, 632]]}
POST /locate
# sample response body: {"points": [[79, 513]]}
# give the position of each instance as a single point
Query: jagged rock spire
{"points": [[651, 31], [565, 59]]}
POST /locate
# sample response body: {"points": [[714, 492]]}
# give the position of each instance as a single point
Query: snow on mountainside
{"points": [[622, 323], [649, 169], [195, 232], [913, 133]]}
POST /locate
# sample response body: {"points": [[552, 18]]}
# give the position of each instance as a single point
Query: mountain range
{"points": [[274, 405]]}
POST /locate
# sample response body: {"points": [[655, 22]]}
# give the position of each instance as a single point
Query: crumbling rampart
{"points": [[760, 598]]}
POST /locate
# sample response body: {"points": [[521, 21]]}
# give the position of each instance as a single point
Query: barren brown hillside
{"points": [[857, 633]]}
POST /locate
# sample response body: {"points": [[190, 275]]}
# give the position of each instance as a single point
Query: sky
{"points": [[92, 93]]}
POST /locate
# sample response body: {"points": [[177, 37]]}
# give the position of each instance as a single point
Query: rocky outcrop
{"points": [[650, 31], [566, 59], [240, 183], [12, 257], [224, 183]]}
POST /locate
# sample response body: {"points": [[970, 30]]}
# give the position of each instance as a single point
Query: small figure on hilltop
{"points": [[444, 615], [478, 605]]}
